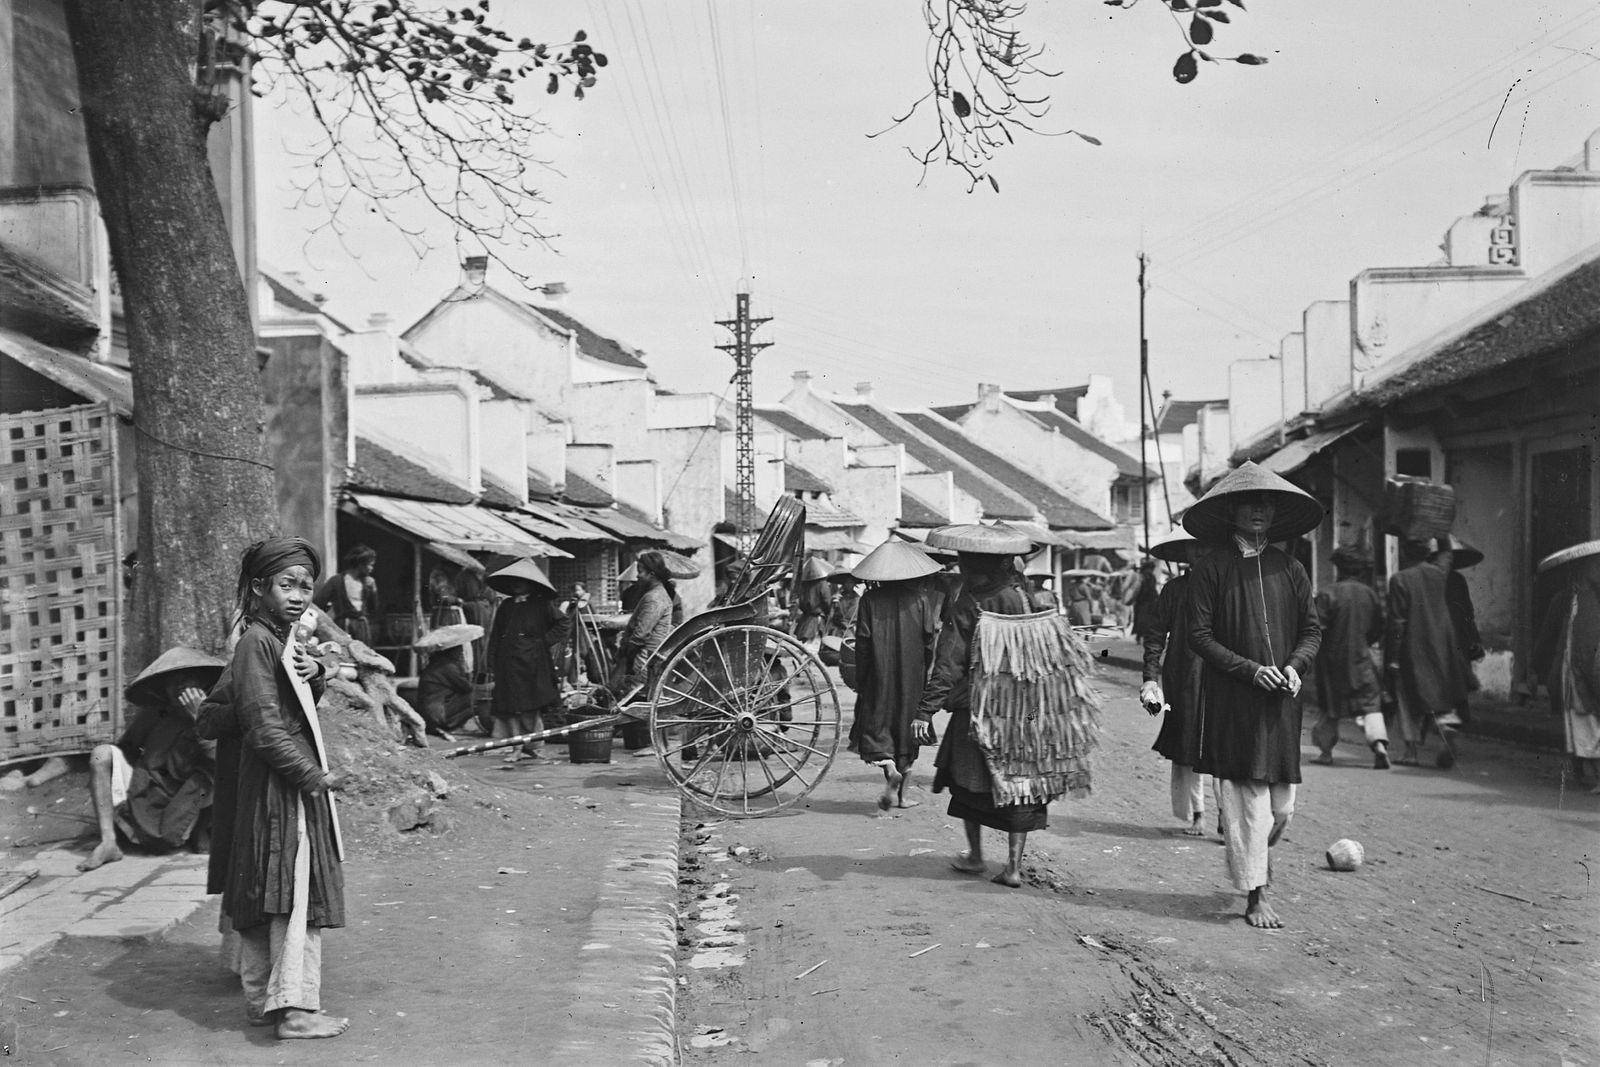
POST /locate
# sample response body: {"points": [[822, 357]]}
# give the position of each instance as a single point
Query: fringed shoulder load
{"points": [[1035, 715]]}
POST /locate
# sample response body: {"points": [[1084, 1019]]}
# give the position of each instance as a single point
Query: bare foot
{"points": [[1260, 914], [904, 803], [295, 1023], [891, 785], [966, 863], [265, 1018], [105, 852], [1193, 829], [1008, 877]]}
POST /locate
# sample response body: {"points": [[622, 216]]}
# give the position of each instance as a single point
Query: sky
{"points": [[1254, 190]]}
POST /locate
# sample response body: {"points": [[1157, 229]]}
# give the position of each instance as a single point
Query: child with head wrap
{"points": [[276, 855]]}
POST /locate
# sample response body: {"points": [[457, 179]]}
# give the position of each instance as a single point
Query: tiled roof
{"points": [[581, 490], [1073, 430], [540, 487], [379, 470], [914, 511], [38, 302], [1067, 397], [797, 479], [497, 493], [997, 500], [1057, 507], [592, 344], [790, 424], [1176, 414], [417, 359]]}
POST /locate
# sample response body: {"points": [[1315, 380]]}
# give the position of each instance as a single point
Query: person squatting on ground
{"points": [[351, 597], [1172, 682], [1422, 655], [444, 688], [276, 845], [528, 629], [1566, 655], [1254, 624], [1348, 686], [1021, 717], [896, 627], [153, 787]]}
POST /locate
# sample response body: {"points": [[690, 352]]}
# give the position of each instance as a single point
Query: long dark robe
{"points": [[1146, 603], [1167, 656], [960, 766], [522, 652], [1246, 613], [811, 609], [895, 626], [1352, 622], [264, 740], [1422, 639]]}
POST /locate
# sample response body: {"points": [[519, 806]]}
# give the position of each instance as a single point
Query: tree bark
{"points": [[205, 488]]}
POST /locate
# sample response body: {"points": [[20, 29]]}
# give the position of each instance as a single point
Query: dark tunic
{"points": [[1583, 634], [1145, 600], [522, 652], [171, 785], [1167, 656], [960, 766], [896, 624], [842, 617], [334, 598], [266, 758], [811, 608], [1244, 614], [1422, 640], [1352, 622], [444, 690]]}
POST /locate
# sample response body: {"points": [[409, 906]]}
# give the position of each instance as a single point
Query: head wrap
{"points": [[276, 555]]}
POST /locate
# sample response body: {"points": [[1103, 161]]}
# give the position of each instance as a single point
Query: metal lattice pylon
{"points": [[744, 350]]}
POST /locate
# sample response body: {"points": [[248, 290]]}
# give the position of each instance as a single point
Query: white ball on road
{"points": [[1345, 855]]}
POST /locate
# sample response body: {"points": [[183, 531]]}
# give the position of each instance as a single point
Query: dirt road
{"points": [[1471, 936]]}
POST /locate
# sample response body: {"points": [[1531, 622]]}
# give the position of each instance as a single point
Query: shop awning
{"points": [[631, 529], [90, 380], [1296, 454], [464, 527], [563, 525], [454, 555]]}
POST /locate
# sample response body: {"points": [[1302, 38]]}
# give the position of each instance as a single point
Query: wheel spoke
{"points": [[734, 689], [722, 713], [787, 740], [794, 767], [705, 739], [814, 698], [692, 665]]}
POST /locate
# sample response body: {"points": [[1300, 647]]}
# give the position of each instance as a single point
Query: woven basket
{"points": [[1416, 509]]}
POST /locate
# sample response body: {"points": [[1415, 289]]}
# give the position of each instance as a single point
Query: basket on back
{"points": [[1035, 715]]}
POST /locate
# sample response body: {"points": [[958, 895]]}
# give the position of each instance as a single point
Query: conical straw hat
{"points": [[500, 580], [146, 687], [1568, 555], [452, 636], [1174, 548], [814, 570], [981, 540], [1462, 554], [895, 561], [629, 574], [1211, 517], [680, 566]]}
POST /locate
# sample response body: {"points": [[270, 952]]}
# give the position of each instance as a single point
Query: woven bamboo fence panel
{"points": [[60, 582]]}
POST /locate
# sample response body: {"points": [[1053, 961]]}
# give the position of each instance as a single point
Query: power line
{"points": [[727, 133]]}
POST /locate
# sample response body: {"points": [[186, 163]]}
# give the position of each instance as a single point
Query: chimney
{"points": [[801, 380], [380, 320], [473, 270], [554, 293], [989, 396], [864, 391]]}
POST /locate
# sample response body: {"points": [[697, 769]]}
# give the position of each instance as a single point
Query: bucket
{"points": [[591, 745], [635, 734]]}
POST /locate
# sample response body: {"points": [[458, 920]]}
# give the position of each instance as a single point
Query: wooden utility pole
{"points": [[744, 349], [1144, 378]]}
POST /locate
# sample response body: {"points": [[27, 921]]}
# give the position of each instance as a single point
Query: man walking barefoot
{"points": [[1253, 623]]}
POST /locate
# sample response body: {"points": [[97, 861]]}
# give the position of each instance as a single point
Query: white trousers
{"points": [[281, 960], [1253, 815], [1189, 792]]}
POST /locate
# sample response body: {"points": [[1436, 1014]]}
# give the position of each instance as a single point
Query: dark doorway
{"points": [[1560, 509]]}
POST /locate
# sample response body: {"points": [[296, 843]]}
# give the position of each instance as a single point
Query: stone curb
{"points": [[624, 991]]}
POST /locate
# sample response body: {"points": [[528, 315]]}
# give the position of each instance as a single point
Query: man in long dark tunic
{"points": [[527, 630], [1347, 679], [896, 625], [987, 585], [1171, 686], [1253, 622], [1422, 654]]}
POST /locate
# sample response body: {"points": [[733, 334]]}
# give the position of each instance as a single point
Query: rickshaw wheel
{"points": [[744, 720]]}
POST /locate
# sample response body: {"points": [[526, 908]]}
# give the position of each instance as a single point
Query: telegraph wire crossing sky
{"points": [[726, 145]]}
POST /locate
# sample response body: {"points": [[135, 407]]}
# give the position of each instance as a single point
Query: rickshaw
{"points": [[743, 718]]}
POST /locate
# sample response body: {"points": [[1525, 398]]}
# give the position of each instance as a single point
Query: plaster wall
{"points": [[1487, 517], [42, 140], [680, 411], [547, 454], [615, 412], [1255, 399], [503, 428], [1393, 308], [873, 494], [478, 330], [692, 479], [1325, 325], [1358, 498], [305, 390], [880, 456], [826, 459], [638, 484], [1557, 215], [597, 464], [1009, 432], [817, 411], [375, 359], [1215, 439], [1102, 414], [1292, 354], [450, 448]]}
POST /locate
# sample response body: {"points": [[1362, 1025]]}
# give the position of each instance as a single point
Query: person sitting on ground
{"points": [[153, 787], [1347, 679], [351, 597]]}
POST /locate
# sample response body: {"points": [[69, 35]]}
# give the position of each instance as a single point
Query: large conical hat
{"points": [[1462, 555], [814, 570], [146, 688], [895, 561], [629, 574], [1210, 518], [1568, 555], [452, 636], [981, 540], [680, 566], [1174, 548], [500, 580]]}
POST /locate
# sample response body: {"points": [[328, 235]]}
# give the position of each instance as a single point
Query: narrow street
{"points": [[1470, 935]]}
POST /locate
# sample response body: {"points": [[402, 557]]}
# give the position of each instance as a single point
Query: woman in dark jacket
{"points": [[656, 611], [528, 629], [276, 854]]}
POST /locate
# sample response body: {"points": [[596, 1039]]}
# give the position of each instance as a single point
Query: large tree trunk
{"points": [[205, 489]]}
